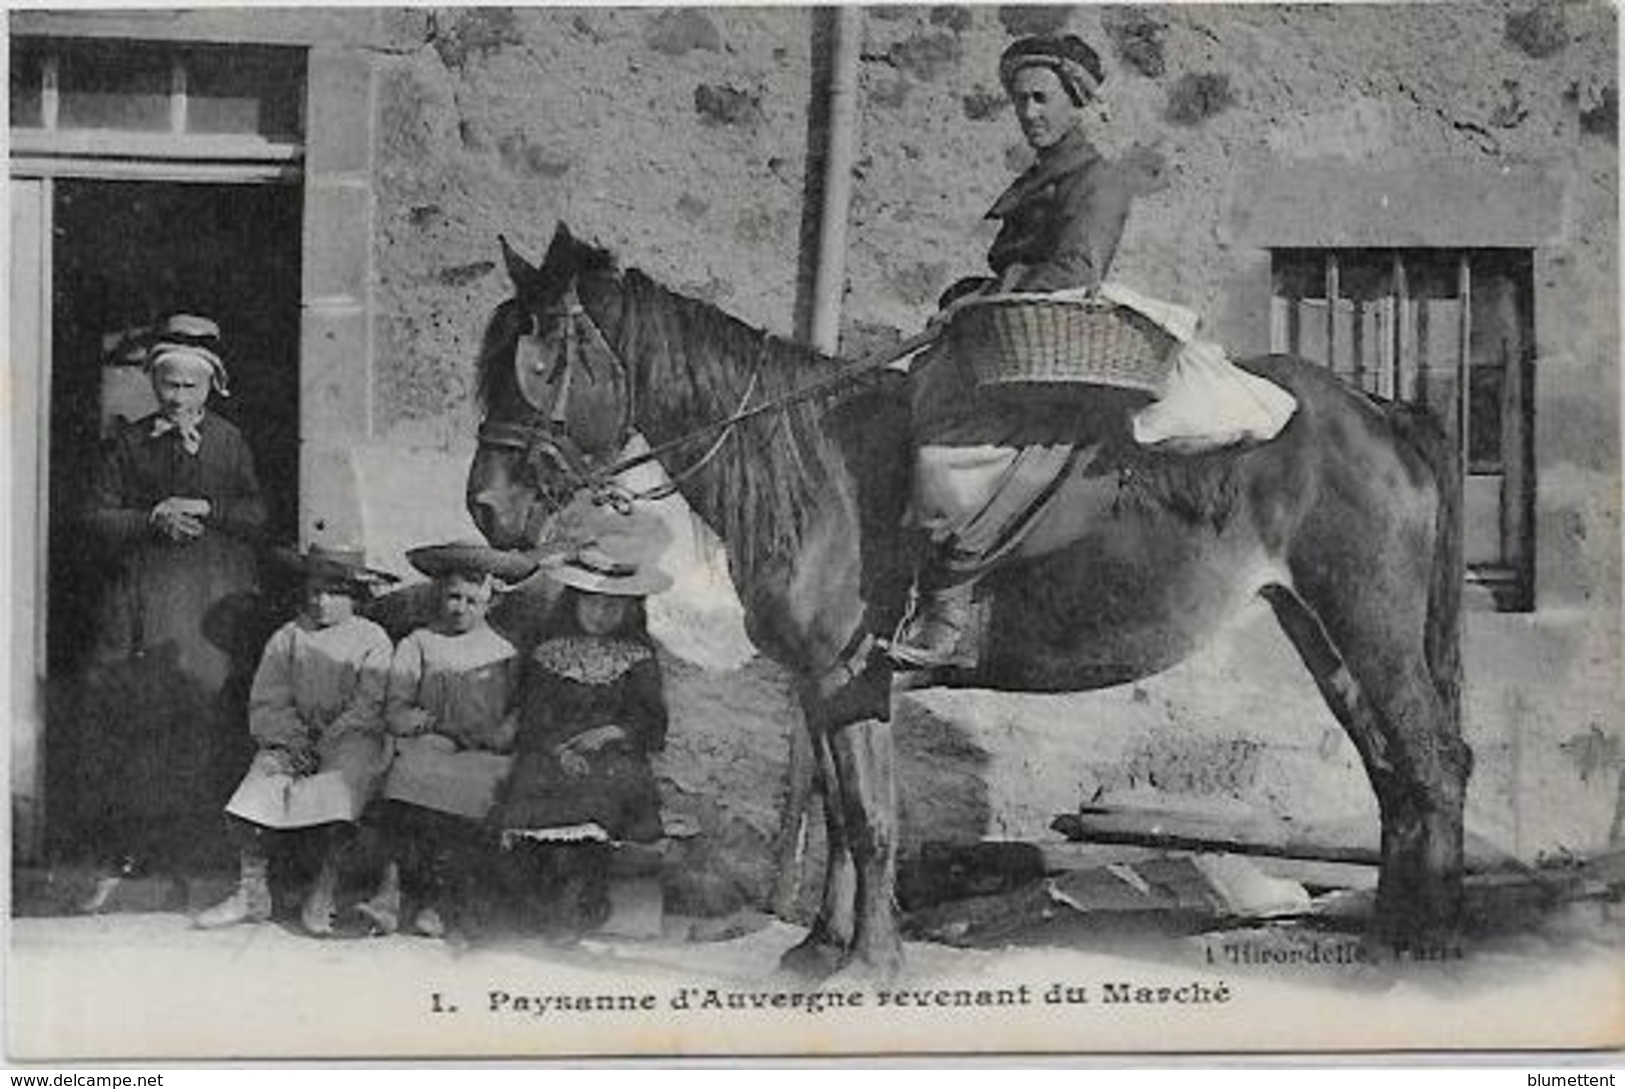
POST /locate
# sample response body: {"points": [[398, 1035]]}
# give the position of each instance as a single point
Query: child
{"points": [[316, 714], [451, 710], [591, 712]]}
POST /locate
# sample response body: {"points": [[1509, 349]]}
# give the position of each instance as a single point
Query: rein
{"points": [[578, 468], [812, 389]]}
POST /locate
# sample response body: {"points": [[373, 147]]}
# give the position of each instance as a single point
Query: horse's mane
{"points": [[763, 486]]}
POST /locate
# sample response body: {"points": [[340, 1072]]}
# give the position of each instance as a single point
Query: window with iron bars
{"points": [[1449, 329]]}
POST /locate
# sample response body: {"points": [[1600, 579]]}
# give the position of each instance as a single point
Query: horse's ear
{"points": [[520, 271]]}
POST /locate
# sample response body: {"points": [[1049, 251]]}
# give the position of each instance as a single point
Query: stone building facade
{"points": [[688, 141]]}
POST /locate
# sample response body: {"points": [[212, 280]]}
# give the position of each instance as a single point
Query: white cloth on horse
{"points": [[1177, 321], [1207, 401]]}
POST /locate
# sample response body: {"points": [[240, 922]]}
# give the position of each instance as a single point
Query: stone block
{"points": [[239, 24], [1336, 204], [337, 240], [339, 117], [334, 375], [330, 508]]}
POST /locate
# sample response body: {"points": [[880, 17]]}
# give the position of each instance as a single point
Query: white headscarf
{"points": [[189, 340]]}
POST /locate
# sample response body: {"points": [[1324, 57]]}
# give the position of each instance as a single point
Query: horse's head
{"points": [[556, 396]]}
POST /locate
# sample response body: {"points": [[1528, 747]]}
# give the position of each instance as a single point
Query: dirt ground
{"points": [[149, 985]]}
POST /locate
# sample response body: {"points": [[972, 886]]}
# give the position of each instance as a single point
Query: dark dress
{"points": [[161, 735], [575, 683]]}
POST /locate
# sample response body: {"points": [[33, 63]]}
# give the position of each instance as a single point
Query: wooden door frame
{"points": [[27, 679], [26, 453]]}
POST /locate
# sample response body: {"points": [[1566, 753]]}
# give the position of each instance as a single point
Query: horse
{"points": [[1346, 523]]}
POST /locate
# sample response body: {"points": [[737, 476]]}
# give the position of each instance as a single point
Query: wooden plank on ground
{"points": [[1170, 830], [1316, 874], [1175, 893]]}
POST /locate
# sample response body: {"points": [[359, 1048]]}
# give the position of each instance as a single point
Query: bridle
{"points": [[558, 467]]}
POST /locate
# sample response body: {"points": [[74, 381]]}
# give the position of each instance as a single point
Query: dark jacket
{"points": [[1061, 219]]}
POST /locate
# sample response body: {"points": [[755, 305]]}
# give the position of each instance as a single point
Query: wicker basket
{"points": [[1012, 339]]}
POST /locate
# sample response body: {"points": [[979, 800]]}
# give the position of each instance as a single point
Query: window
{"points": [[1450, 329], [98, 100]]}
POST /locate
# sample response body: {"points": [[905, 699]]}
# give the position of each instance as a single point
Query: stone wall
{"points": [[680, 138]]}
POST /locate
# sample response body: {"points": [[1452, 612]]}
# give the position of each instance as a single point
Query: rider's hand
{"points": [[597, 738]]}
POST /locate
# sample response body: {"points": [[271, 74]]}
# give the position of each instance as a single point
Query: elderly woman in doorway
{"points": [[980, 464], [177, 503]]}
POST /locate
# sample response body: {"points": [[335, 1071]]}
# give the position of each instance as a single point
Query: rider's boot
{"points": [[931, 636]]}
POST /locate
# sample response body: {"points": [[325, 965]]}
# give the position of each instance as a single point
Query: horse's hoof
{"points": [[813, 958]]}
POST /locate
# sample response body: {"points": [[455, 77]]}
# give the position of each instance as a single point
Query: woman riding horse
{"points": [[978, 468]]}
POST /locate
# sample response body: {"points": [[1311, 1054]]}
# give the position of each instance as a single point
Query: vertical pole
{"points": [[829, 284], [829, 278]]}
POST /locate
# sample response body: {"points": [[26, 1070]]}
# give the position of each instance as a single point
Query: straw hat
{"points": [[327, 561], [615, 565], [473, 558]]}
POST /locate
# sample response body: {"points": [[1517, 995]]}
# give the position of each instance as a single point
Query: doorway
{"points": [[122, 255]]}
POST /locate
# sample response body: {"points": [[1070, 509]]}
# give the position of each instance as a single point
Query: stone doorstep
{"points": [[60, 890], [637, 901]]}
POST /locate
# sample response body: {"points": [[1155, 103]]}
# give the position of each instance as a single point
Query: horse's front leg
{"points": [[866, 772], [823, 950]]}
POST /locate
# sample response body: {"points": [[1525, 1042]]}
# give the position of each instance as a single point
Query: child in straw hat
{"points": [[592, 711], [316, 714], [452, 710]]}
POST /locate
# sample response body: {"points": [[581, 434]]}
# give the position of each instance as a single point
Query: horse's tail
{"points": [[1420, 427]]}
